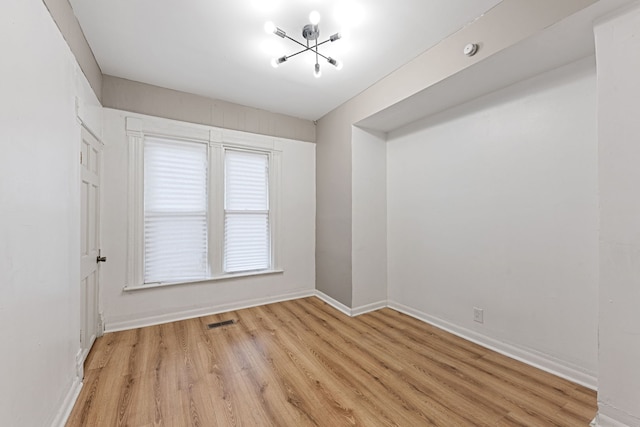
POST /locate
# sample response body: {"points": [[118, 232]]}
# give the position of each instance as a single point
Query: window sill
{"points": [[229, 276]]}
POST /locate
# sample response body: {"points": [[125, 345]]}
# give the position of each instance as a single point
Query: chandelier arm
{"points": [[296, 41], [318, 53], [299, 52], [314, 49], [321, 43], [305, 46], [311, 48]]}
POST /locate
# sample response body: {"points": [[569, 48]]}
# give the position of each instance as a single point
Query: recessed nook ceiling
{"points": [[220, 50], [562, 43]]}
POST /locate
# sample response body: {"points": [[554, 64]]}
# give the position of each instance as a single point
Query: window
{"points": [[246, 211], [175, 211], [201, 209]]}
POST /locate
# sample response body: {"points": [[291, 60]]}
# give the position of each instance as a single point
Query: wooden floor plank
{"points": [[303, 363]]}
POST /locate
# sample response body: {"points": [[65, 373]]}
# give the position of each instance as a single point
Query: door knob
{"points": [[101, 258]]}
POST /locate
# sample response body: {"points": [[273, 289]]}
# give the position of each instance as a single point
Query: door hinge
{"points": [[81, 157]]}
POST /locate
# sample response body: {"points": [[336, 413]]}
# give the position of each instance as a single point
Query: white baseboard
{"points": [[333, 303], [614, 418], [538, 360], [157, 319], [125, 324], [351, 312], [80, 358], [67, 403], [357, 311]]}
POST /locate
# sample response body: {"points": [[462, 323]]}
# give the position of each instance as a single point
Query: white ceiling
{"points": [[219, 49]]}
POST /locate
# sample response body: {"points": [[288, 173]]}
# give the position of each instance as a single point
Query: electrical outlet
{"points": [[478, 315]]}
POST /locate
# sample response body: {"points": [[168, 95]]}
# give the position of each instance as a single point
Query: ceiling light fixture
{"points": [[311, 33]]}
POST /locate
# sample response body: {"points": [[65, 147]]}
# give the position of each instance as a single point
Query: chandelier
{"points": [[311, 33]]}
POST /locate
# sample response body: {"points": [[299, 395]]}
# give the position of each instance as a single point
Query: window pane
{"points": [[175, 248], [246, 241], [246, 181], [175, 176], [175, 211]]}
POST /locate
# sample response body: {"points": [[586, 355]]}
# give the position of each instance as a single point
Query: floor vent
{"points": [[218, 324]]}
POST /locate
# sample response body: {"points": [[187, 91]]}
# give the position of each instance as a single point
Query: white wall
{"points": [[39, 216], [134, 308], [494, 205], [428, 70], [369, 216], [617, 47]]}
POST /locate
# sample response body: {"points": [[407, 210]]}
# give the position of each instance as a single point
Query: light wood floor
{"points": [[301, 362]]}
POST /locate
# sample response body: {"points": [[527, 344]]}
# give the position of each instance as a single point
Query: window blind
{"points": [[175, 211], [246, 216]]}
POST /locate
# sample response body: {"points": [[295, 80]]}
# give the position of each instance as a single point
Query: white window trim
{"points": [[218, 140]]}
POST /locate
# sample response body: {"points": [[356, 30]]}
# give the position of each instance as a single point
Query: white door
{"points": [[90, 158]]}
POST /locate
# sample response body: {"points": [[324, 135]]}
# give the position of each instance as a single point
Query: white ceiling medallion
{"points": [[311, 33]]}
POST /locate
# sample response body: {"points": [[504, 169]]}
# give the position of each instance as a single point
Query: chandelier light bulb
{"points": [[316, 72], [269, 27], [335, 63], [277, 61], [314, 17]]}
